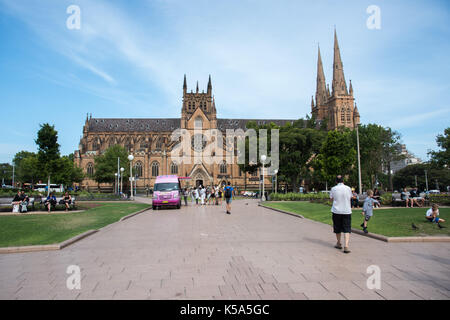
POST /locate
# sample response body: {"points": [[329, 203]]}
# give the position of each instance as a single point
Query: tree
{"points": [[378, 148], [48, 150], [442, 157], [406, 177], [27, 167], [6, 173], [298, 146], [337, 155], [67, 172], [106, 164]]}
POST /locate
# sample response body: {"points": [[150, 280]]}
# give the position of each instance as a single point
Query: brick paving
{"points": [[202, 253]]}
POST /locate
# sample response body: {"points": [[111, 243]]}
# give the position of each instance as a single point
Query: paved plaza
{"points": [[202, 253]]}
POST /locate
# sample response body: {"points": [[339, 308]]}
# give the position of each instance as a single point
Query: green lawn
{"points": [[389, 222], [50, 229]]}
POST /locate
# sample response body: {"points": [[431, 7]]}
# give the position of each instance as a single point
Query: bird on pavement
{"points": [[414, 226]]}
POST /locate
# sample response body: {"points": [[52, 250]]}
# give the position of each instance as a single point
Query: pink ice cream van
{"points": [[167, 192]]}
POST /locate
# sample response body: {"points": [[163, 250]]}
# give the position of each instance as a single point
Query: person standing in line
{"points": [[185, 195], [191, 193], [197, 194], [212, 196], [220, 195], [341, 196], [228, 196]]}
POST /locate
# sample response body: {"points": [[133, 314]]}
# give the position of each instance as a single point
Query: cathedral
{"points": [[149, 140]]}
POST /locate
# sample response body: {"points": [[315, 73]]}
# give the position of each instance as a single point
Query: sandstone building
{"points": [[149, 139]]}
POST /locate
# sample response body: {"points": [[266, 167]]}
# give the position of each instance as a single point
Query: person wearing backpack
{"points": [[228, 196]]}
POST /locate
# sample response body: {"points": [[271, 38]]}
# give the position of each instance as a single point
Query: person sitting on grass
{"points": [[67, 200], [50, 201], [367, 211], [432, 214]]}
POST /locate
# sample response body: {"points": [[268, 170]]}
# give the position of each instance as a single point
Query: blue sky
{"points": [[129, 57]]}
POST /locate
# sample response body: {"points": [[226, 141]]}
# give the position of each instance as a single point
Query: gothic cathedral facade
{"points": [[149, 140]]}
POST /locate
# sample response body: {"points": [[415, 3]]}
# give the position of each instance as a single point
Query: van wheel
{"points": [[154, 207], [178, 205]]}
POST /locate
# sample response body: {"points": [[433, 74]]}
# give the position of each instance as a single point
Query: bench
{"points": [[59, 204], [7, 203], [397, 199]]}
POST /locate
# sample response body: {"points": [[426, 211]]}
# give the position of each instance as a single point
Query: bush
{"points": [[293, 196], [442, 199], [386, 198]]}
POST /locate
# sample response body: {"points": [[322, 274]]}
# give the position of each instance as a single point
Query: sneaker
{"points": [[362, 225], [346, 250], [365, 230], [228, 212], [338, 246]]}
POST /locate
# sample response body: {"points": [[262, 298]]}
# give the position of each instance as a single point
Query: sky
{"points": [[128, 59]]}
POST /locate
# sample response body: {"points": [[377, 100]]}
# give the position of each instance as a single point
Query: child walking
{"points": [[367, 211]]}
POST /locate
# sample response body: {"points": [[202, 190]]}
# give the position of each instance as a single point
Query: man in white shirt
{"points": [[341, 196]]}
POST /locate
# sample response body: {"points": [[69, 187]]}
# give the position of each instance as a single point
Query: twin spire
{"points": [[209, 90], [338, 85]]}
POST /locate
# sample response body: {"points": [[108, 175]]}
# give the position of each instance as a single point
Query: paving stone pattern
{"points": [[203, 253]]}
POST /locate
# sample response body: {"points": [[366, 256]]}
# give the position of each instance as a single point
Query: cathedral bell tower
{"points": [[197, 100]]}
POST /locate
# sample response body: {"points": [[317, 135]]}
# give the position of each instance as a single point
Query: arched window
{"points": [[223, 168], [343, 115], [173, 168], [138, 169], [348, 114], [159, 143], [90, 169], [155, 169], [198, 122]]}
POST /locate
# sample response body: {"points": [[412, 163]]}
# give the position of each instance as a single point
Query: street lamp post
{"points": [[131, 158], [116, 182], [263, 160], [276, 180], [121, 180], [359, 160], [426, 179]]}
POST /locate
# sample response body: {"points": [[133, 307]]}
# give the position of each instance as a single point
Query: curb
{"points": [[374, 235], [134, 214]]}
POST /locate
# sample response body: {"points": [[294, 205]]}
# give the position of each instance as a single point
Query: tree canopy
{"points": [[106, 164]]}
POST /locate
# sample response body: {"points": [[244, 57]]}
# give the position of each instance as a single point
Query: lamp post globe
{"points": [[263, 160], [131, 158], [121, 179]]}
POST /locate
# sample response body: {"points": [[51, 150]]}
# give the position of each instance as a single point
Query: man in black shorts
{"points": [[341, 196]]}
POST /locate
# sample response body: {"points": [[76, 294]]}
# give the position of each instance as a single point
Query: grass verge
{"points": [[49, 229], [396, 222]]}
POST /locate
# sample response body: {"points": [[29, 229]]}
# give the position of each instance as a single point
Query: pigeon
{"points": [[414, 226], [246, 204]]}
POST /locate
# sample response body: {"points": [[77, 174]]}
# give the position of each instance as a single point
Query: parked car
{"points": [[434, 192]]}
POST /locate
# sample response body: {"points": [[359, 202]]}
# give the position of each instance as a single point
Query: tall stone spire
{"points": [[209, 86], [184, 85], [321, 93], [197, 86], [338, 86]]}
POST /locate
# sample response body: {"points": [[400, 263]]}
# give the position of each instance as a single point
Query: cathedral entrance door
{"points": [[199, 182]]}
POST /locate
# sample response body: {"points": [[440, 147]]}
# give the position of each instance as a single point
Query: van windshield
{"points": [[171, 186]]}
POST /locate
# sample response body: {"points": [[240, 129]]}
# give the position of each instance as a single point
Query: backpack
{"points": [[228, 192]]}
